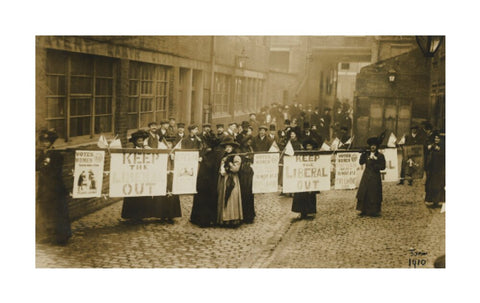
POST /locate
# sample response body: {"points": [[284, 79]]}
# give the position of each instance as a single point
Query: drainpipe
{"points": [[212, 82]]}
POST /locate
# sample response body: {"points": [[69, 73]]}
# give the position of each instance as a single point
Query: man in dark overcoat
{"points": [[261, 143]]}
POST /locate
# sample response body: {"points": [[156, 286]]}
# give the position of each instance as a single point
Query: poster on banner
{"points": [[138, 174], [265, 173], [347, 169], [185, 173], [413, 156], [88, 174], [305, 172], [390, 174]]}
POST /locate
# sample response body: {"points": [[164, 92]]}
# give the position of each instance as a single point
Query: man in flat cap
{"points": [[153, 138], [243, 130], [232, 129], [172, 128], [261, 143], [180, 133], [327, 121], [192, 141], [253, 121]]}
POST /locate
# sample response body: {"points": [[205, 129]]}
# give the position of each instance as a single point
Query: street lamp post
{"points": [[429, 44]]}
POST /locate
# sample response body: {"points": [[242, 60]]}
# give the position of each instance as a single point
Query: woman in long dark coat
{"points": [[369, 194], [53, 222], [435, 167], [246, 177], [305, 203], [204, 208]]}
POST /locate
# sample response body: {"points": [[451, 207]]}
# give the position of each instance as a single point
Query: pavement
{"points": [[406, 235]]}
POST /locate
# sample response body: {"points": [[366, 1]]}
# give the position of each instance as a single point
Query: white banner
{"points": [[88, 174], [185, 172], [390, 174], [265, 176], [347, 169], [138, 174], [306, 172]]}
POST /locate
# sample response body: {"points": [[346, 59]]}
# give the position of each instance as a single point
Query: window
{"points": [[280, 61], [240, 86], [80, 93], [148, 94], [345, 66], [221, 97], [252, 94]]}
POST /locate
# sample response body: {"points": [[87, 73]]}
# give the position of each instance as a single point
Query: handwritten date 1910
{"points": [[419, 261]]}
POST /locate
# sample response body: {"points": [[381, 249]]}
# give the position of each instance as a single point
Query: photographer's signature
{"points": [[417, 258]]}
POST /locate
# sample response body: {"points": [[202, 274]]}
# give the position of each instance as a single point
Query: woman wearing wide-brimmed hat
{"points": [[369, 194], [138, 208], [229, 210], [52, 217], [435, 167]]}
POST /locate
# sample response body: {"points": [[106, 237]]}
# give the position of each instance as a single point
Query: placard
{"points": [[185, 172], [390, 174], [347, 169], [265, 176], [138, 174], [305, 172], [413, 155], [88, 174]]}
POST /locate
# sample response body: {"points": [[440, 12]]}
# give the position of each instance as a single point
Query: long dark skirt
{"points": [[305, 203], [204, 208], [52, 214], [148, 207], [248, 198]]}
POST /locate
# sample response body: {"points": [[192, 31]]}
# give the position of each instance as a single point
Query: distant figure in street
{"points": [[435, 167], [305, 203], [407, 170], [369, 194], [52, 215]]}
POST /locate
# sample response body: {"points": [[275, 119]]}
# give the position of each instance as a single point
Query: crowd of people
{"points": [[224, 185]]}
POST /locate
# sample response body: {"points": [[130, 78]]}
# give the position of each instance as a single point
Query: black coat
{"points": [[204, 209], [435, 167], [261, 145], [53, 222], [305, 203], [245, 176], [369, 192]]}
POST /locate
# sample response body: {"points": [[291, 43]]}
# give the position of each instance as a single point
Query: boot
{"points": [[401, 182], [410, 182]]}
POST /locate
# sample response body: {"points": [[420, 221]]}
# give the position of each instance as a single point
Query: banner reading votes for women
{"points": [[185, 172], [306, 172], [138, 174], [347, 169], [265, 176], [88, 174]]}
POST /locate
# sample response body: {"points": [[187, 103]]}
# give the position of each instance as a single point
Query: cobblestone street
{"points": [[335, 238]]}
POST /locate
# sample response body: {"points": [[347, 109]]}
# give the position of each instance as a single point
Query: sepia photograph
{"points": [[240, 151]]}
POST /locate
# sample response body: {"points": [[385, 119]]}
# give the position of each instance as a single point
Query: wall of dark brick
{"points": [[411, 86]]}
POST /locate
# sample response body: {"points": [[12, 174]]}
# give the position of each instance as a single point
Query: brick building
{"points": [[398, 92], [112, 85]]}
